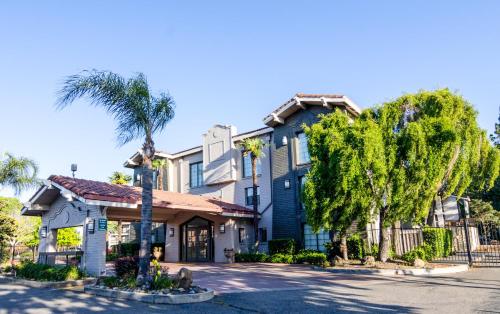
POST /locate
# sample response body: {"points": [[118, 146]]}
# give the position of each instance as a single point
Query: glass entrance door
{"points": [[197, 240]]}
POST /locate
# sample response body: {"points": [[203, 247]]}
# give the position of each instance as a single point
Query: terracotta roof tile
{"points": [[102, 191]]}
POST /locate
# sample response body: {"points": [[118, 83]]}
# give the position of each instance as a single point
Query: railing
{"points": [[473, 242], [60, 258]]}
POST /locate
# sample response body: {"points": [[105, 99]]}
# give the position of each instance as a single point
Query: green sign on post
{"points": [[103, 224]]}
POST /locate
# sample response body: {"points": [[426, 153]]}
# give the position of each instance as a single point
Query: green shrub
{"points": [[161, 282], [373, 251], [127, 267], [282, 258], [355, 248], [439, 240], [423, 252], [313, 258], [110, 282], [111, 257], [42, 272], [283, 246], [251, 258]]}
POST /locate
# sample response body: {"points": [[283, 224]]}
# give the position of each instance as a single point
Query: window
{"points": [[263, 234], [302, 182], [249, 196], [247, 166], [302, 152], [315, 241], [196, 174], [241, 235]]}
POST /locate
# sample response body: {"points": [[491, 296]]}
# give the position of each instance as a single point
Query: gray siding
{"points": [[287, 213]]}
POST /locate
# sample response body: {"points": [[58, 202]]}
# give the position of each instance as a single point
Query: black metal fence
{"points": [[473, 242]]}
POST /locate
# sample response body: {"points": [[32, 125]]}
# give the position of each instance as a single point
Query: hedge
{"points": [[440, 241], [251, 258], [282, 258], [355, 248], [313, 258], [42, 272], [127, 267], [283, 246]]}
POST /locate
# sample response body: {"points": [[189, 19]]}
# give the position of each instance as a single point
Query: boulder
{"points": [[418, 263], [184, 278], [338, 261], [368, 261]]}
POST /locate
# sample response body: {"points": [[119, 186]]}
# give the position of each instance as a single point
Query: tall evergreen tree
{"points": [[393, 160]]}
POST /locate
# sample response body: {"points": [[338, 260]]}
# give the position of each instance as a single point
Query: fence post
{"points": [[467, 243]]}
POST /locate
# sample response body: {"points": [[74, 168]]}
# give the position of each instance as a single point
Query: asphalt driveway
{"points": [[297, 291]]}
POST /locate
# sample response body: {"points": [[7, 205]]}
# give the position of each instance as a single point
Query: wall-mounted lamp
{"points": [[43, 232], [287, 184], [91, 226], [284, 141], [222, 228], [171, 232]]}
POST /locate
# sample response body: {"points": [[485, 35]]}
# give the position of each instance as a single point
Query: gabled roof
{"points": [[115, 195], [300, 100]]}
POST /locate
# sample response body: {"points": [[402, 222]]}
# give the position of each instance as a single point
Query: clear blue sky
{"points": [[229, 62]]}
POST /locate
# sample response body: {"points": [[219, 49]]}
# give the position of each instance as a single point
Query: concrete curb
{"points": [[49, 284], [151, 298], [397, 272]]}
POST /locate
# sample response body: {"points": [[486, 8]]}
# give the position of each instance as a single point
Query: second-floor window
{"points": [[247, 166], [249, 196], [196, 174], [302, 151]]}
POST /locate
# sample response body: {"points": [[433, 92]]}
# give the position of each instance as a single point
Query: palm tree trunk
{"points": [[146, 211], [384, 238], [160, 178], [119, 234], [255, 202]]}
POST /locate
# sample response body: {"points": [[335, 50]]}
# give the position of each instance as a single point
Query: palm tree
{"points": [[139, 114], [19, 173], [255, 148], [159, 165], [120, 178]]}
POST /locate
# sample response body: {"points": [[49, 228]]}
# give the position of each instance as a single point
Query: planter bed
{"points": [[49, 284], [393, 269], [165, 296]]}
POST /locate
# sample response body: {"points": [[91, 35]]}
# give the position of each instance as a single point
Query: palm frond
{"points": [[254, 146], [137, 112], [18, 173]]}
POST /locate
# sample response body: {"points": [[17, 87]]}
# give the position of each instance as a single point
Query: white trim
{"points": [[237, 138], [300, 105], [237, 215], [275, 116]]}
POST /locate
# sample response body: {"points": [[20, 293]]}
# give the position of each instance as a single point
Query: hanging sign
{"points": [[103, 224]]}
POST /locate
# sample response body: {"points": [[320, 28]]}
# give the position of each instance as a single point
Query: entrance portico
{"points": [[197, 228]]}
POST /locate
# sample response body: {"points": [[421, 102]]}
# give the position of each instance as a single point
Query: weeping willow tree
{"points": [[394, 160]]}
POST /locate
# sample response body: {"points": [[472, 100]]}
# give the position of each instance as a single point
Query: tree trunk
{"points": [[12, 252], [255, 202], [160, 179], [146, 212], [384, 237], [343, 246], [119, 234], [437, 205]]}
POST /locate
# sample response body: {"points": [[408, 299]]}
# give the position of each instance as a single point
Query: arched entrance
{"points": [[197, 243]]}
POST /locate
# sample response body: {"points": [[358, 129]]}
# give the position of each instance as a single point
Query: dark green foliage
{"points": [[252, 258], [313, 258], [110, 281], [284, 246], [393, 160], [42, 272], [282, 258], [355, 247], [439, 240], [7, 228], [126, 266], [127, 249], [423, 252], [111, 257]]}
